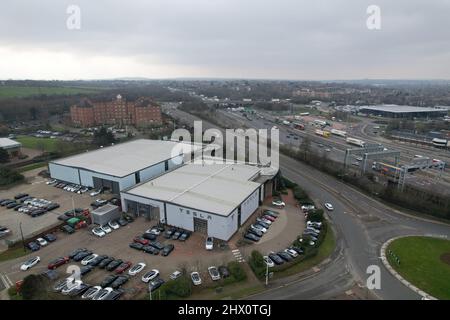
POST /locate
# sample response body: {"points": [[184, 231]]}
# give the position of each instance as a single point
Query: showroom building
{"points": [[213, 199], [123, 165]]}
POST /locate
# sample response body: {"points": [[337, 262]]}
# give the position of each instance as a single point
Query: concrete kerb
{"points": [[422, 293]]}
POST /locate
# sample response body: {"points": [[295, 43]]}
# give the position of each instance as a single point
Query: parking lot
{"points": [[35, 186]]}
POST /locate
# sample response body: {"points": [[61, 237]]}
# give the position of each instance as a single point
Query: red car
{"points": [[270, 218], [58, 262], [124, 266], [141, 240]]}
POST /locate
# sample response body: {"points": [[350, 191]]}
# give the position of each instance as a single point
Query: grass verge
{"points": [[13, 253]]}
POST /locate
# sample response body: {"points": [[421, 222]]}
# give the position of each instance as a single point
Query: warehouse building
{"points": [[11, 146], [396, 111], [214, 199], [123, 165]]}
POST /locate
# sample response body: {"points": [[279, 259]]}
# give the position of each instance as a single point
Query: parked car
{"points": [[184, 236], [30, 263], [95, 192], [85, 270], [153, 230], [97, 260], [268, 261], [270, 218], [176, 235], [195, 277], [276, 258], [123, 267], [256, 232], [106, 228], [108, 280], [52, 206], [12, 205], [224, 272], [155, 284], [150, 249], [88, 259], [329, 206], [175, 275], [20, 196], [317, 225], [105, 262], [214, 273], [98, 232], [136, 268], [67, 229], [75, 252], [50, 237], [60, 285], [278, 204], [58, 262], [258, 227], [120, 280], [157, 245], [168, 233], [291, 252], [209, 244], [102, 294], [137, 246], [271, 213], [261, 219], [113, 265], [141, 240], [83, 254], [298, 250], [115, 294], [33, 246], [167, 250], [79, 289], [154, 273], [71, 286], [91, 292], [114, 225], [122, 222], [262, 223], [284, 256], [251, 236], [149, 236]]}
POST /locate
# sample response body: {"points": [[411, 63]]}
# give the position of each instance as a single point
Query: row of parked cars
{"points": [[214, 272], [261, 225], [103, 230], [68, 186], [27, 204], [286, 255], [41, 242]]}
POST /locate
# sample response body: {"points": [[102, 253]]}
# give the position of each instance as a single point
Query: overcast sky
{"points": [[277, 39]]}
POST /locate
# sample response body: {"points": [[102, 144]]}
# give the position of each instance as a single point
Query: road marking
{"points": [[6, 281]]}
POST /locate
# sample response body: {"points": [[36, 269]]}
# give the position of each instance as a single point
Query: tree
{"points": [[305, 147], [103, 137], [34, 287], [4, 156]]}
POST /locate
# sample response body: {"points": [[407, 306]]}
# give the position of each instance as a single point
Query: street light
{"points": [[21, 234]]}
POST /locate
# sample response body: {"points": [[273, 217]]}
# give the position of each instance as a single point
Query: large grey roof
{"points": [[9, 143], [215, 188], [126, 158], [399, 109]]}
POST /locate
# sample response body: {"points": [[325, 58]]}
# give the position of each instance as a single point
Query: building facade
{"points": [[142, 112]]}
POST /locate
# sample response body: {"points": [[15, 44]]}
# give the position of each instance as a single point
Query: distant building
{"points": [[396, 111], [11, 146], [141, 112]]}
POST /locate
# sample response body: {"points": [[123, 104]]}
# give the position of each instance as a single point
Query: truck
{"points": [[338, 133], [322, 133], [356, 142], [299, 126]]}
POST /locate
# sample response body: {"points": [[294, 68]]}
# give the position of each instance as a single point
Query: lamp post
{"points": [[21, 234], [267, 274]]}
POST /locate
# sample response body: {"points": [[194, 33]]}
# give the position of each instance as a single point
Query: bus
{"points": [[356, 142], [440, 143]]}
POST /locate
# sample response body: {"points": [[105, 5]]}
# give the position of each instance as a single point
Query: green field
{"points": [[42, 144], [421, 264], [20, 92]]}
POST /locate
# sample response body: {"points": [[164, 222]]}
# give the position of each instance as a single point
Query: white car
{"points": [[137, 268], [209, 244], [30, 263], [154, 273], [311, 243], [268, 261], [175, 275], [313, 229], [91, 292], [154, 231], [71, 285], [102, 294], [98, 232], [278, 203], [88, 259], [42, 242], [291, 252], [329, 206], [264, 220], [258, 227], [114, 225], [106, 228], [195, 277], [95, 193], [317, 225], [51, 181], [214, 273]]}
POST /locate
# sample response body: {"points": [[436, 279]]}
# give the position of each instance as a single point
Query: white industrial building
{"points": [[123, 165], [214, 199]]}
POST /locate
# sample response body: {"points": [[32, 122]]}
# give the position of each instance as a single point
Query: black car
{"points": [[176, 235], [67, 229], [155, 284], [263, 224], [251, 236], [167, 250], [298, 250], [284, 256], [6, 202], [12, 205], [85, 269], [63, 217], [160, 227], [97, 260], [128, 218], [255, 232], [108, 280], [114, 201], [20, 196], [33, 246], [83, 254], [151, 250], [168, 234], [122, 222], [18, 207], [157, 245], [184, 236], [37, 213], [137, 246], [120, 280], [52, 206], [22, 200], [149, 236], [83, 287], [50, 237], [271, 213], [75, 252], [115, 294], [105, 262], [114, 264], [276, 258], [224, 272]]}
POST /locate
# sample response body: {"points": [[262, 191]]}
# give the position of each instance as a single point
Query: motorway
{"points": [[363, 225]]}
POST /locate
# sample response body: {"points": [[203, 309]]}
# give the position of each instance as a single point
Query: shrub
{"points": [[179, 288], [316, 215], [237, 271], [8, 176], [257, 264]]}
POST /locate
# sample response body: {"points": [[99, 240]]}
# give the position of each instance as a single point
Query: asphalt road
{"points": [[363, 225]]}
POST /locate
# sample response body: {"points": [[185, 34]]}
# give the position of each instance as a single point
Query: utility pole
{"points": [[267, 274], [21, 234], [73, 206]]}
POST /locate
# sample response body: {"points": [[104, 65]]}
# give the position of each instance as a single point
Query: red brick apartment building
{"points": [[141, 112]]}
